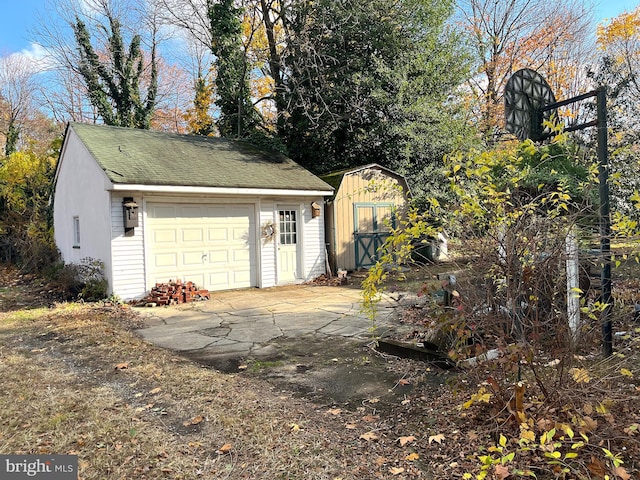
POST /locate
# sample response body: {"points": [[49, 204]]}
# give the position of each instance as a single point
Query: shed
{"points": [[155, 206], [368, 201]]}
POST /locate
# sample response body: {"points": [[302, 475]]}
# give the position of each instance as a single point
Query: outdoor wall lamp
{"points": [[315, 210], [130, 212]]}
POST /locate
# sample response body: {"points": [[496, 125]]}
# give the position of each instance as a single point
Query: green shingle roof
{"points": [[144, 157]]}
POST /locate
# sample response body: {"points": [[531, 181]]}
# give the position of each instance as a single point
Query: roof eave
{"points": [[184, 189]]}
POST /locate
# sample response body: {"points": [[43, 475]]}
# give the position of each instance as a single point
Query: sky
{"points": [[19, 16]]}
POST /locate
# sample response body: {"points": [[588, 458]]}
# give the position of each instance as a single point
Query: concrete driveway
{"points": [[247, 323]]}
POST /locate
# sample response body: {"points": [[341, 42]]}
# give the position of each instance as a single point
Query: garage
{"points": [[213, 245], [157, 206]]}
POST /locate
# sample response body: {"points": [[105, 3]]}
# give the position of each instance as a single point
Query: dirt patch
{"points": [[330, 370]]}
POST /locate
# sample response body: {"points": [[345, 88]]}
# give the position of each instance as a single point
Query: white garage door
{"points": [[213, 246]]}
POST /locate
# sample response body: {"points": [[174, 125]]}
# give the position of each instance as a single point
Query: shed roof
{"points": [[335, 178], [145, 157]]}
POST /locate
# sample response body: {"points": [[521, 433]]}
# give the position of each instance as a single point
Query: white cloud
{"points": [[38, 57]]}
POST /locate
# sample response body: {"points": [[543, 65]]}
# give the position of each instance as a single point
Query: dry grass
{"points": [[76, 382]]}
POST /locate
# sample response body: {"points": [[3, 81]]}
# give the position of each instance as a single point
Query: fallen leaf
{"points": [[528, 435], [404, 381], [412, 457], [374, 400], [622, 473], [194, 421], [580, 375], [370, 418], [350, 426], [226, 448], [404, 440], [406, 401], [626, 372], [597, 468], [369, 436], [396, 470], [501, 472], [334, 411], [295, 427], [436, 438], [155, 390], [588, 424], [380, 461], [122, 366]]}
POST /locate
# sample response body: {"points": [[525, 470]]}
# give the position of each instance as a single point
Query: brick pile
{"points": [[174, 293]]}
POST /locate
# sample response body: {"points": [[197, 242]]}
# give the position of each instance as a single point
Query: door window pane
{"points": [[288, 227]]}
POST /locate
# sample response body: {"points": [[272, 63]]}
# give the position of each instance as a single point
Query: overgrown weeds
{"points": [[528, 300]]}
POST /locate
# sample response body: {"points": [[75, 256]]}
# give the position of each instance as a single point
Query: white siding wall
{"points": [[82, 191], [312, 244], [313, 247], [268, 248], [127, 252]]}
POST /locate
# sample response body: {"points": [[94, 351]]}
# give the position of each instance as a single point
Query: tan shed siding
{"points": [[127, 252], [356, 188], [329, 233], [313, 241], [268, 248]]}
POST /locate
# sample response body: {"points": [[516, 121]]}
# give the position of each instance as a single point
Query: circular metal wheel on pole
{"points": [[529, 101]]}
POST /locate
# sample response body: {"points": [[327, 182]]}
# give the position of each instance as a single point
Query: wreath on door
{"points": [[268, 230]]}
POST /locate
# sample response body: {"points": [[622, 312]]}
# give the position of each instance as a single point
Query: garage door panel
{"points": [[163, 211], [193, 258], [167, 236], [219, 257], [241, 256], [214, 210], [217, 235], [239, 234], [187, 211], [166, 260], [211, 245], [192, 235], [219, 280], [241, 277]]}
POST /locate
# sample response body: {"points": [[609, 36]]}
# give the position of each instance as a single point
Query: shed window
{"points": [[76, 232]]}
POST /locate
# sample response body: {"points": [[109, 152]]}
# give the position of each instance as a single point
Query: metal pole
{"points": [[605, 222]]}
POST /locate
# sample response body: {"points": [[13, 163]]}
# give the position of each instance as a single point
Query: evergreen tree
{"points": [[114, 85], [372, 81], [238, 117]]}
